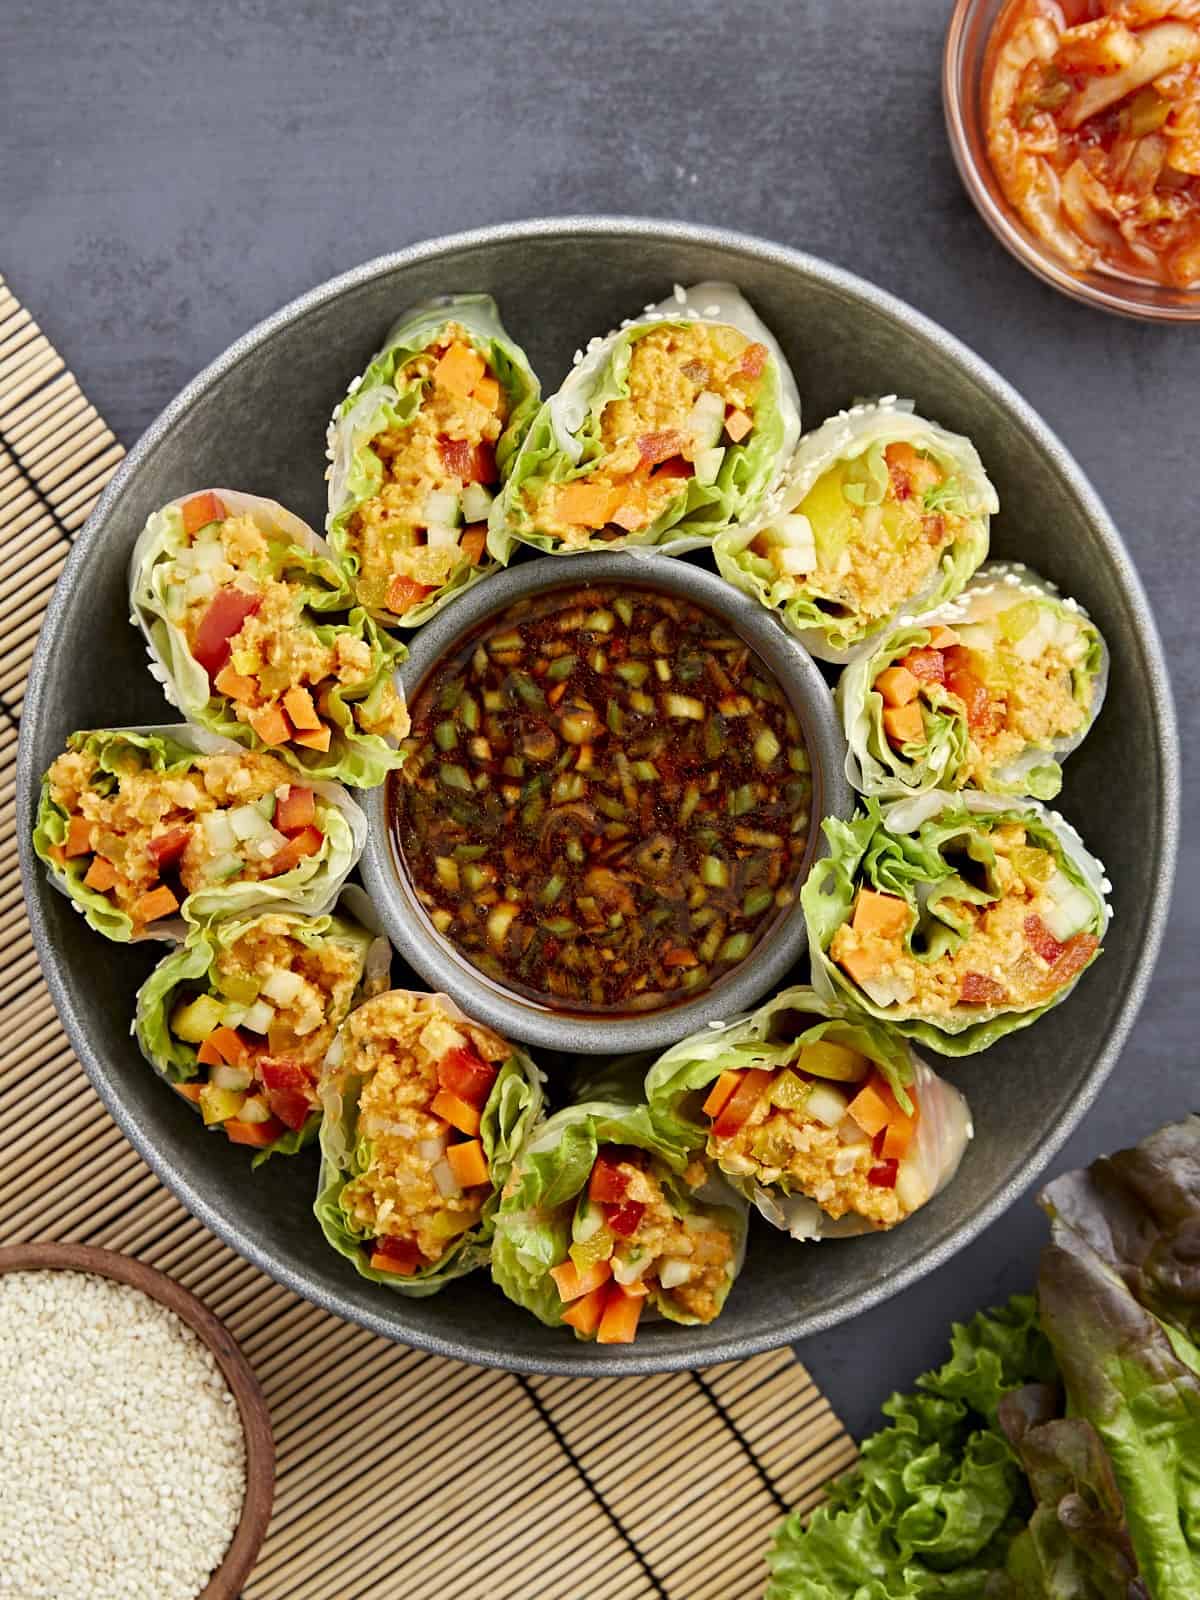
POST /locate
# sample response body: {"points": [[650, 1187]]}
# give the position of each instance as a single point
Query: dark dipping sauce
{"points": [[606, 800]]}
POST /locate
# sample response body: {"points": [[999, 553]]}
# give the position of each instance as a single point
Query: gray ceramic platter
{"points": [[256, 420]]}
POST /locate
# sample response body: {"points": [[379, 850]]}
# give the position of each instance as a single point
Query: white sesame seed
{"points": [[712, 311], [121, 1449], [680, 294]]}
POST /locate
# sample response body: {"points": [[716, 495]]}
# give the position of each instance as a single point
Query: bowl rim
{"points": [[780, 947], [227, 1579], [1149, 660], [961, 78]]}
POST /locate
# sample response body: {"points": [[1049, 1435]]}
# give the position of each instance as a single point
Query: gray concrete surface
{"points": [[170, 173]]}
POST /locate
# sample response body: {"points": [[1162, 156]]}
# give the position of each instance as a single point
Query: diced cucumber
{"points": [[1016, 622], [194, 1021], [248, 822], [708, 464], [266, 804], [243, 988], [227, 1077], [218, 1105], [706, 420], [259, 1017], [1071, 910], [440, 509], [476, 503], [222, 867], [218, 834], [282, 986], [233, 1014]]}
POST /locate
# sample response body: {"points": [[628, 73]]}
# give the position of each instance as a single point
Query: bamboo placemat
{"points": [[480, 1483]]}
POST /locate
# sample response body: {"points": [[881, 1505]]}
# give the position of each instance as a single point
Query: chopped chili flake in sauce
{"points": [[1092, 112], [606, 800]]}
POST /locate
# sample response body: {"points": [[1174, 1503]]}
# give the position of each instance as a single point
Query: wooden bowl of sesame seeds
{"points": [[227, 1578]]}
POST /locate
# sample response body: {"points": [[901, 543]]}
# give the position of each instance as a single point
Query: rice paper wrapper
{"points": [[563, 439], [511, 1113], [861, 431], [309, 888], [375, 404], [533, 1226], [875, 767], [302, 558], [679, 1081], [175, 1060], [897, 850]]}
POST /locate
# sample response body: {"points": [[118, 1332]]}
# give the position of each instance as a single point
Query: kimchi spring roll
{"points": [[424, 1113], [825, 1120], [956, 918], [228, 589], [882, 512], [419, 449], [238, 1020], [605, 1219], [667, 431], [150, 829], [989, 692]]}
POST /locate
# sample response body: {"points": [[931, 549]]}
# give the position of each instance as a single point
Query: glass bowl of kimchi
{"points": [[1075, 125]]}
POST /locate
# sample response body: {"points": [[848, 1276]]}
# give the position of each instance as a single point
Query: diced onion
{"points": [[673, 1272], [911, 1190], [441, 535], [851, 1134], [248, 822], [630, 1271], [271, 843], [825, 1104], [206, 555], [432, 1149], [446, 1182], [201, 587], [283, 987], [253, 1110], [259, 1017], [226, 1077], [1039, 637], [587, 1225]]}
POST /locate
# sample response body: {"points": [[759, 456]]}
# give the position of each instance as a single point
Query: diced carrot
{"points": [[404, 593], [897, 686], [862, 964], [586, 504], [607, 1184], [927, 665], [456, 1112], [236, 685], [208, 1055], [897, 1137], [638, 1289], [229, 1045], [487, 392], [468, 1163], [738, 425], [59, 856], [884, 914], [969, 687], [473, 541], [679, 957], [302, 714], [156, 903], [573, 1283], [297, 810], [904, 724], [618, 1324], [101, 875], [400, 1256], [318, 739], [874, 1106], [305, 843], [941, 638], [189, 1091], [584, 1314], [1077, 952], [911, 473], [258, 1134], [271, 725], [977, 989], [754, 359], [79, 837], [738, 1108], [632, 508], [459, 370], [720, 1092], [200, 510]]}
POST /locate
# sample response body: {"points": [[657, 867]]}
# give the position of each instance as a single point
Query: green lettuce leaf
{"points": [[564, 442], [903, 852], [533, 1225], [511, 1113], [376, 405]]}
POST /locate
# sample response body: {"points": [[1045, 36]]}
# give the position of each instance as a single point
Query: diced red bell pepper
{"points": [[277, 1072], [655, 447], [464, 1074], [259, 1134], [618, 1324], [1042, 940], [227, 611], [928, 665], [754, 359], [673, 467], [307, 842], [960, 680], [884, 1175], [608, 1185], [1077, 952], [977, 989], [291, 1107], [483, 467], [737, 1109], [456, 456], [400, 1256], [296, 811], [165, 849], [200, 510], [404, 593], [623, 1219]]}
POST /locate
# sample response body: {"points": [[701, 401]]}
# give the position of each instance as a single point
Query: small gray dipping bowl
{"points": [[783, 944], [256, 420]]}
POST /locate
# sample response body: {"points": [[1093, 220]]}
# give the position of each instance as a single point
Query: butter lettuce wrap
{"points": [[669, 430], [419, 449], [424, 1113], [229, 590], [990, 691], [882, 512], [149, 830], [829, 1123], [238, 1020], [956, 918], [605, 1217]]}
